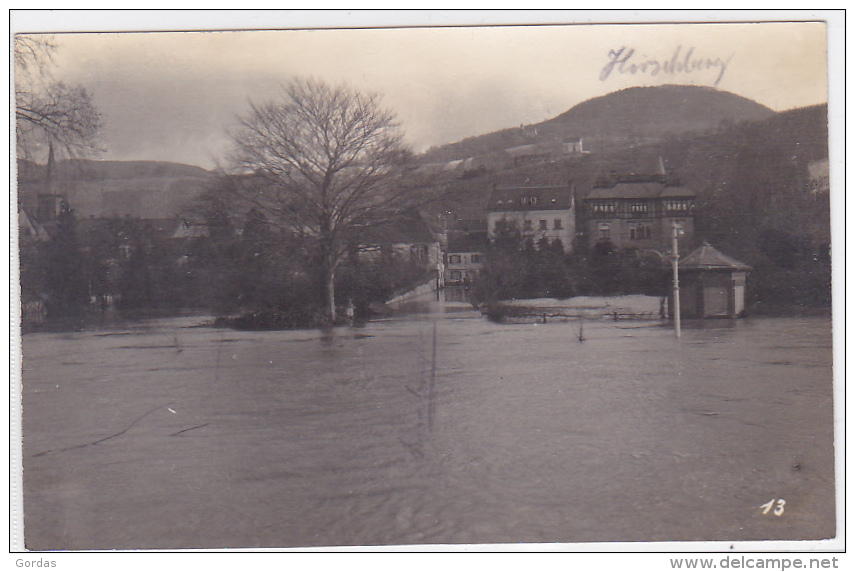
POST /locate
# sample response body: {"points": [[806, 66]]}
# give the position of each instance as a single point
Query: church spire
{"points": [[51, 170]]}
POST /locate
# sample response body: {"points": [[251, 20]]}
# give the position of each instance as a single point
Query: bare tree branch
{"points": [[50, 111], [330, 153]]}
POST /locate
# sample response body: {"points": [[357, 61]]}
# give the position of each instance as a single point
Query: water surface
{"points": [[427, 429]]}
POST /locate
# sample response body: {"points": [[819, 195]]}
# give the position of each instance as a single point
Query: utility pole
{"points": [[675, 258]]}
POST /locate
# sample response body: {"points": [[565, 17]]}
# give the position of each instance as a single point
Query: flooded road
{"points": [[436, 429]]}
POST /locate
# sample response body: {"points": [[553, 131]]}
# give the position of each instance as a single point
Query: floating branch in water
{"points": [[114, 435], [189, 429]]}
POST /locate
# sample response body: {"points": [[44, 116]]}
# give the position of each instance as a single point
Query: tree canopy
{"points": [[329, 154]]}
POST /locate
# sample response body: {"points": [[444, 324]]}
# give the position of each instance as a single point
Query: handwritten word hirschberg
{"points": [[623, 61]]}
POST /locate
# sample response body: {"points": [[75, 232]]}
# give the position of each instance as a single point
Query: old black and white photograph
{"points": [[491, 283]]}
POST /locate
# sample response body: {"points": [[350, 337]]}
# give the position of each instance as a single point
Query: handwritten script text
{"points": [[625, 61]]}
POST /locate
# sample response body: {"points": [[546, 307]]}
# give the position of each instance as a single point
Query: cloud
{"points": [[170, 95]]}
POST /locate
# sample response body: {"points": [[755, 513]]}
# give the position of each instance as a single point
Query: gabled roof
{"points": [[29, 227], [467, 242], [469, 225], [411, 230], [639, 190], [708, 258], [530, 199]]}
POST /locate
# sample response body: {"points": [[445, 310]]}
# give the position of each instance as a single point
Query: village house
{"points": [[819, 185], [538, 212], [638, 212], [408, 239], [465, 257]]}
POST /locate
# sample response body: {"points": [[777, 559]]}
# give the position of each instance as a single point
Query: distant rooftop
{"points": [[708, 258], [533, 198], [640, 190], [467, 242], [412, 230]]}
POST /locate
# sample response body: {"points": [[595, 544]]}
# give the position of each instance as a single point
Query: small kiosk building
{"points": [[712, 284]]}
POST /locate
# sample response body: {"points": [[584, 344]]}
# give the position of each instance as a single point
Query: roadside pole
{"points": [[675, 259]]}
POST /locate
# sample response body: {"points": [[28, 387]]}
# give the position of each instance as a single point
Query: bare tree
{"points": [[49, 112], [330, 154]]}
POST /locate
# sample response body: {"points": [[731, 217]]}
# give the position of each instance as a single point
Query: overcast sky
{"points": [[172, 96]]}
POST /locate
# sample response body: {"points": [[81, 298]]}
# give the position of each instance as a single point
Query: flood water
{"points": [[438, 429]]}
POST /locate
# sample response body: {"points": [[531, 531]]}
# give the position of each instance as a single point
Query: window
{"points": [[639, 231], [638, 207], [604, 232], [419, 251], [454, 259], [677, 205], [557, 224], [527, 225], [533, 200], [475, 259], [603, 207], [543, 224], [456, 275]]}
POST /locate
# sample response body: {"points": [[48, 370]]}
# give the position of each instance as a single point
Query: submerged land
{"points": [[440, 428]]}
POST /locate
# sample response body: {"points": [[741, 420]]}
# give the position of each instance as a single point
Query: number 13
{"points": [[777, 503]]}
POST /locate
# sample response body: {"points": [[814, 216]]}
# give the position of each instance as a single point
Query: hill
{"points": [[753, 180], [638, 114], [143, 189], [754, 195]]}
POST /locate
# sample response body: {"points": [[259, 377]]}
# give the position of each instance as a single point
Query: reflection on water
{"points": [[457, 294], [430, 428]]}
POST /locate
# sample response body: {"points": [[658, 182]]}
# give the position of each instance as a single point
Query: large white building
{"points": [[538, 212]]}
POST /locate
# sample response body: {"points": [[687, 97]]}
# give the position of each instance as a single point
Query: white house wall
{"points": [[566, 232]]}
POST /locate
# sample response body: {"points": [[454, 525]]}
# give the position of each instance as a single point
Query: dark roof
{"points": [[549, 175], [676, 191], [520, 199], [400, 231], [470, 225], [639, 190], [467, 242], [636, 163], [708, 258]]}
